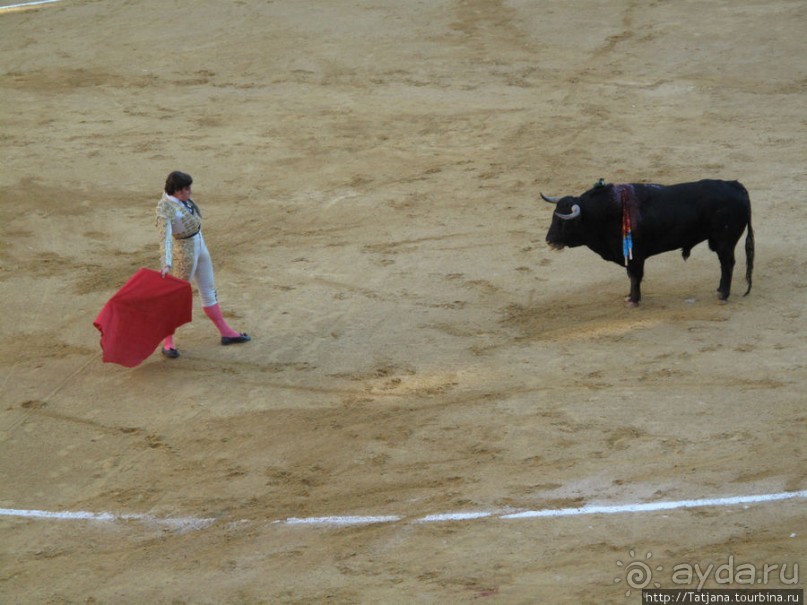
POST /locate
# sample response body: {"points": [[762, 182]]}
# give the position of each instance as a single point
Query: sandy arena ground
{"points": [[369, 172]]}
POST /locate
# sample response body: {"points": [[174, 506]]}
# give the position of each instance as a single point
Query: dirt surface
{"points": [[369, 175]]}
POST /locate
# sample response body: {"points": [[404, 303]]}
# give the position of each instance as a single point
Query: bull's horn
{"points": [[551, 200], [573, 214]]}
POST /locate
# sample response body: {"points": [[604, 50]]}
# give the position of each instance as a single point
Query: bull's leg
{"points": [[726, 256], [635, 273]]}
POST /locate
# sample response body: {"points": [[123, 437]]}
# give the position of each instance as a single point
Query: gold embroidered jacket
{"points": [[177, 223]]}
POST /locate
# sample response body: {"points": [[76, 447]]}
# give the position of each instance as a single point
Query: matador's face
{"points": [[183, 194]]}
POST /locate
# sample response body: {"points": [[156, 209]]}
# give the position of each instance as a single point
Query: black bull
{"points": [[660, 219]]}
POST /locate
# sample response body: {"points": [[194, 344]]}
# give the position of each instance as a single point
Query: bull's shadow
{"points": [[598, 310]]}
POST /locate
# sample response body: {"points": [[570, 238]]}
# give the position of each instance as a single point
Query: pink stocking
{"points": [[214, 313]]}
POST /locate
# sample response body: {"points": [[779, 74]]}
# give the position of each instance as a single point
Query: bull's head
{"points": [[565, 228]]}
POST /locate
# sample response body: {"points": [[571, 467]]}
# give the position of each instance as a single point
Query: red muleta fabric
{"points": [[141, 314]]}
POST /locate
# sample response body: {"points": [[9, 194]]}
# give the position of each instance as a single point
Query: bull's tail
{"points": [[749, 253]]}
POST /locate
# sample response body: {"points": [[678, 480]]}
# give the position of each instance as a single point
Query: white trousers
{"points": [[201, 271]]}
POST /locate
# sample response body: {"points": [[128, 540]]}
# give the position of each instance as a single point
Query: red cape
{"points": [[141, 314]]}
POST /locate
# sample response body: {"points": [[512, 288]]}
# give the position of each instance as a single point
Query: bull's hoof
{"points": [[630, 303], [722, 301]]}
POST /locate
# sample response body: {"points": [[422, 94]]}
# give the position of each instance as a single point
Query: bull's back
{"points": [[681, 216], [708, 193]]}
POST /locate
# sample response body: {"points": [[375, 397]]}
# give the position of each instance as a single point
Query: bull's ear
{"points": [[551, 200]]}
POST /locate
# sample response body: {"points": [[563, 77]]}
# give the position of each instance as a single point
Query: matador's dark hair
{"points": [[177, 181]]}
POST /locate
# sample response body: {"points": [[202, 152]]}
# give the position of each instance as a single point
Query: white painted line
{"points": [[177, 523], [195, 523], [454, 517], [655, 506], [350, 520], [44, 514], [558, 512], [28, 4]]}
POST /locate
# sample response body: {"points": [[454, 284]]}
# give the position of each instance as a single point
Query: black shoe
{"points": [[233, 340], [170, 353]]}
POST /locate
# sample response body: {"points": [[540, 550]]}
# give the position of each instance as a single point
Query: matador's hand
{"points": [[165, 270]]}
